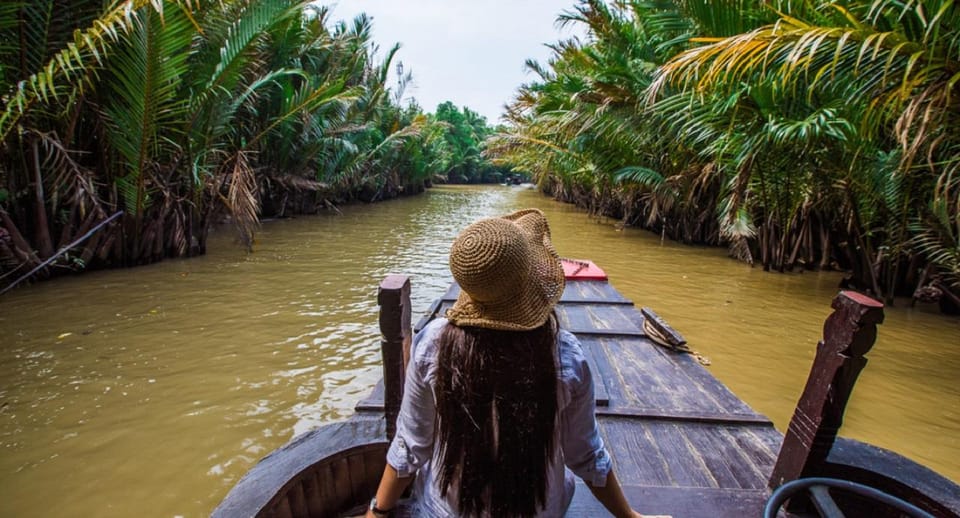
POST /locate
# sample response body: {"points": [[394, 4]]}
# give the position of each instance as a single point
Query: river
{"points": [[151, 391]]}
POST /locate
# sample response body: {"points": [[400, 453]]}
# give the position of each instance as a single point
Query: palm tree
{"points": [[177, 113], [881, 77], [799, 134]]}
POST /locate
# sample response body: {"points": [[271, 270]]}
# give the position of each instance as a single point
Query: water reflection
{"points": [[156, 388]]}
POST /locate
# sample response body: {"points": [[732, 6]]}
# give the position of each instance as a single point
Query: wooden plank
{"points": [[740, 465], [669, 334], [599, 385], [593, 331], [713, 455], [373, 402], [314, 496], [651, 382], [602, 369], [359, 484], [342, 485], [670, 437], [298, 502], [605, 318], [658, 414], [656, 377], [576, 299], [616, 316], [679, 501], [600, 290], [636, 455], [745, 448], [374, 466], [572, 317], [282, 509], [328, 486]]}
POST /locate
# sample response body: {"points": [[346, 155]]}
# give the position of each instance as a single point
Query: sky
{"points": [[468, 52]]}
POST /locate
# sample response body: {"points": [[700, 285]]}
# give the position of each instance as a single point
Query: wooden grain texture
{"points": [[266, 487], [393, 297], [848, 334], [673, 338], [688, 454], [680, 502], [601, 396], [656, 379]]}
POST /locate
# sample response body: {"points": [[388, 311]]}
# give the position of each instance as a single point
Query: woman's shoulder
{"points": [[568, 344], [425, 342], [573, 362]]}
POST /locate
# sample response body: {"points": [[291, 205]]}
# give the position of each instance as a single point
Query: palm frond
{"points": [[146, 108], [66, 67]]}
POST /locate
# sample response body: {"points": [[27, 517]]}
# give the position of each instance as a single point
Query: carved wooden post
{"points": [[848, 333], [394, 300]]}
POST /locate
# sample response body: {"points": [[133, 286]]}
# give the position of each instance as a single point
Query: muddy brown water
{"points": [[151, 391]]}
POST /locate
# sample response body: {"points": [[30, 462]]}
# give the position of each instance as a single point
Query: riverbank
{"points": [[88, 253], [917, 280], [158, 387]]}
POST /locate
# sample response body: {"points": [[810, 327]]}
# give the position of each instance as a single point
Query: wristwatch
{"points": [[376, 510]]}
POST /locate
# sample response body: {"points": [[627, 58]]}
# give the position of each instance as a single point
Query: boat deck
{"points": [[682, 443]]}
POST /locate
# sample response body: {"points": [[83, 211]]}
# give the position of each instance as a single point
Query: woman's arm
{"points": [[388, 494], [611, 496], [412, 445]]}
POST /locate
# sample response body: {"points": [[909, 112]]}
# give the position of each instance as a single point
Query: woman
{"points": [[497, 398]]}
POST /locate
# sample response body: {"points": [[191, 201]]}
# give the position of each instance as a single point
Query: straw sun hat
{"points": [[508, 271]]}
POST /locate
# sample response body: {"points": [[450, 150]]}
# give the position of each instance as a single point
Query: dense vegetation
{"points": [[461, 150], [799, 134], [182, 113]]}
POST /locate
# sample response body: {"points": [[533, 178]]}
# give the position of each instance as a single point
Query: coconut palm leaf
{"points": [[67, 66], [870, 60], [939, 239], [145, 108]]}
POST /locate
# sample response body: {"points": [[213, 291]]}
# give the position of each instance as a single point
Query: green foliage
{"points": [[459, 156], [782, 129], [183, 112]]}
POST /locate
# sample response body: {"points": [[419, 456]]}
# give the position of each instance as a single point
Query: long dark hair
{"points": [[496, 414]]}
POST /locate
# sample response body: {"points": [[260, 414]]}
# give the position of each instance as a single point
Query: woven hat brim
{"points": [[531, 304]]}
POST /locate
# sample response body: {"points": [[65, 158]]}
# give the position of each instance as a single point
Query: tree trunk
{"points": [[20, 245], [825, 247], [42, 230]]}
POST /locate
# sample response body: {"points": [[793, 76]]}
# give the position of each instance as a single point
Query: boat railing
{"points": [[396, 335]]}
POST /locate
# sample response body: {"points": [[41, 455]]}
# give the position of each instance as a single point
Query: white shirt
{"points": [[581, 447]]}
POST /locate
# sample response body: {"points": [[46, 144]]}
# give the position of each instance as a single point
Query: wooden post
{"points": [[848, 333], [394, 300]]}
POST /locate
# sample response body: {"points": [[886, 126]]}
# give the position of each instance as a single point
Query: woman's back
{"points": [[575, 406]]}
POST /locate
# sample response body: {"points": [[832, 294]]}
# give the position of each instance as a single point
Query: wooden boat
{"points": [[682, 442]]}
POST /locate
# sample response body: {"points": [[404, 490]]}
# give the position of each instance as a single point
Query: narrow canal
{"points": [[150, 391]]}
